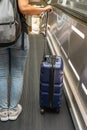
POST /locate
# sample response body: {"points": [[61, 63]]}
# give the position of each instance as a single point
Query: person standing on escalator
{"points": [[15, 69]]}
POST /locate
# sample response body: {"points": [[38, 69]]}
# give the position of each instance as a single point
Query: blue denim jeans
{"points": [[12, 67]]}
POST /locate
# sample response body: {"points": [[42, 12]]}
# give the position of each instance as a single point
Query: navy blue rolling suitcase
{"points": [[51, 80], [51, 83]]}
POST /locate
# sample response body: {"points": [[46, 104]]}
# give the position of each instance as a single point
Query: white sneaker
{"points": [[3, 114], [14, 113]]}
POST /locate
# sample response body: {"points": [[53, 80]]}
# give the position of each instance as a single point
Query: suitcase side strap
{"points": [[51, 88]]}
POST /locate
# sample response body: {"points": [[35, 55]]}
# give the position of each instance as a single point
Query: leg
{"points": [[4, 73], [18, 60]]}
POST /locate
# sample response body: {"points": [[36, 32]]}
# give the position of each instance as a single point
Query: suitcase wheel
{"points": [[42, 111]]}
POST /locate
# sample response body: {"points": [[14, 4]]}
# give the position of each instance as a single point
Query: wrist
{"points": [[44, 9]]}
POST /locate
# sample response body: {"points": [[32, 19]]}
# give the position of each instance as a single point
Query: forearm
{"points": [[32, 10], [28, 9]]}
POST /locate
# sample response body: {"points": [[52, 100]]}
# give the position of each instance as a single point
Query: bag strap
{"points": [[22, 40], [14, 4]]}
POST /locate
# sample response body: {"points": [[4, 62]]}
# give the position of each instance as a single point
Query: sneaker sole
{"points": [[14, 117], [4, 119]]}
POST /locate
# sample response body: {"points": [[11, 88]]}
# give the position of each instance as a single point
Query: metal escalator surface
{"points": [[31, 119]]}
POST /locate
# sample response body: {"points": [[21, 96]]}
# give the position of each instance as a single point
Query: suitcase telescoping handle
{"points": [[45, 34], [49, 58], [46, 24]]}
